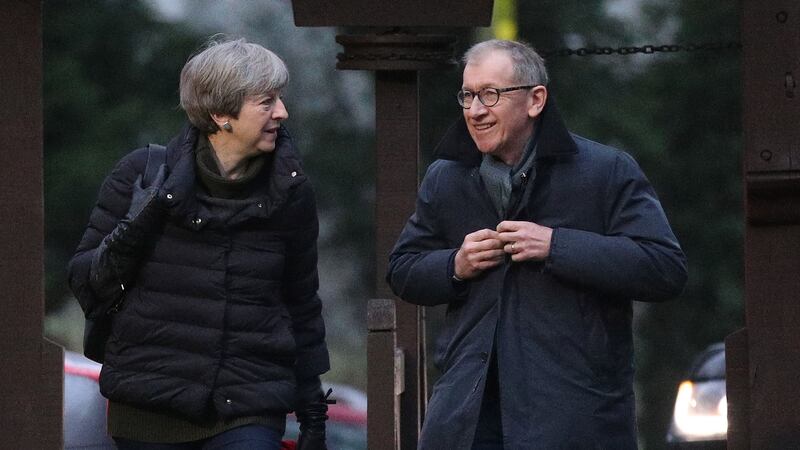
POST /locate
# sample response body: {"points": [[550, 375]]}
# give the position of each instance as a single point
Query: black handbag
{"points": [[96, 330]]}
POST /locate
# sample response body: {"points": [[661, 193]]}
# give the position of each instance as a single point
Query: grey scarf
{"points": [[502, 181]]}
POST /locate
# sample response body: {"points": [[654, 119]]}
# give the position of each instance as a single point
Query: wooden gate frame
{"points": [[763, 359]]}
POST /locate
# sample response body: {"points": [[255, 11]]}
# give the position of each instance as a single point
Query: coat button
{"points": [[260, 205], [294, 174], [228, 401], [484, 356], [169, 196]]}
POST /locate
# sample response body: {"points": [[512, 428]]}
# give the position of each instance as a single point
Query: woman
{"points": [[212, 269]]}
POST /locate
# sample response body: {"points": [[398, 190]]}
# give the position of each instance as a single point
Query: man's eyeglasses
{"points": [[488, 96]]}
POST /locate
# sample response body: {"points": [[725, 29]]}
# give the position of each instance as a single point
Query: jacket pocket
{"points": [[442, 357], [278, 344]]}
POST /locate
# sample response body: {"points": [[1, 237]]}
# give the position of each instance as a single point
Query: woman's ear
{"points": [[220, 119]]}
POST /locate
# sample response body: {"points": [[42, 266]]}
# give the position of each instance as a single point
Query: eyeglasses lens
{"points": [[489, 97]]}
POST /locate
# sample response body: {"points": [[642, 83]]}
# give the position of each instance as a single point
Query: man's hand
{"points": [[525, 241], [480, 250]]}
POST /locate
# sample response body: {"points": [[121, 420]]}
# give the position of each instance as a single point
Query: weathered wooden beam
{"points": [[32, 369], [397, 175], [738, 390], [385, 382], [406, 13], [764, 403]]}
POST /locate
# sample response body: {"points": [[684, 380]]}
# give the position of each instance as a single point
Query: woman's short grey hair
{"points": [[217, 80], [529, 68]]}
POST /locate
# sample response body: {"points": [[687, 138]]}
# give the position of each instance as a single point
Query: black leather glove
{"points": [[144, 215], [116, 259], [312, 414]]}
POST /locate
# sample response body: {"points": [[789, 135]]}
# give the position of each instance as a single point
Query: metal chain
{"points": [[421, 55], [645, 49]]}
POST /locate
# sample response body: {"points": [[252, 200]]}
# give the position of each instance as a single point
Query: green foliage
{"points": [[110, 85]]}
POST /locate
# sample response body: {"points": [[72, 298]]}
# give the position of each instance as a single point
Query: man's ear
{"points": [[538, 98]]}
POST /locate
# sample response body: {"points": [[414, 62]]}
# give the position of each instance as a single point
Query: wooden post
{"points": [[397, 168], [764, 403], [396, 55], [386, 381], [396, 59], [738, 391], [32, 368]]}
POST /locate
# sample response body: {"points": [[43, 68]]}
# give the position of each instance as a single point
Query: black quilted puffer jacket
{"points": [[223, 315]]}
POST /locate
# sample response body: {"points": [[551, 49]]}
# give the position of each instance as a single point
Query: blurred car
{"points": [[700, 419], [347, 419], [84, 407], [85, 411]]}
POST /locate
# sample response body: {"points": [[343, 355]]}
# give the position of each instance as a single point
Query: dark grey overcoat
{"points": [[562, 326]]}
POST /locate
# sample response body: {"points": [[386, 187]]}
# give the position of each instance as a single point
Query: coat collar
{"points": [[278, 177], [553, 142]]}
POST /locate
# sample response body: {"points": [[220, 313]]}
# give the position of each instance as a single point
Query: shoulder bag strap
{"points": [[156, 156]]}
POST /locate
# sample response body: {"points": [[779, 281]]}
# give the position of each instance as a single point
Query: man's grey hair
{"points": [[529, 68], [217, 80]]}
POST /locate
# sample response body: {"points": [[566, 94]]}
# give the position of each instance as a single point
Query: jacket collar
{"points": [[285, 172], [553, 142], [277, 178]]}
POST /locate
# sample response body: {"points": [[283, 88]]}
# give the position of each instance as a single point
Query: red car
{"points": [[85, 411]]}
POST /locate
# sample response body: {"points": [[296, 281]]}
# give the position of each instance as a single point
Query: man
{"points": [[537, 241]]}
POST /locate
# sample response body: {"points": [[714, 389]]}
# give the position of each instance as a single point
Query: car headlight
{"points": [[701, 411]]}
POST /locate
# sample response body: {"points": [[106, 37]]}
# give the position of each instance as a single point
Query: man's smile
{"points": [[483, 126]]}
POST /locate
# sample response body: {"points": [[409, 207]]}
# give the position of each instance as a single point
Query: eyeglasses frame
{"points": [[499, 91]]}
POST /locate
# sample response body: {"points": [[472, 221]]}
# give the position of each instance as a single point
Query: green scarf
{"points": [[210, 177]]}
